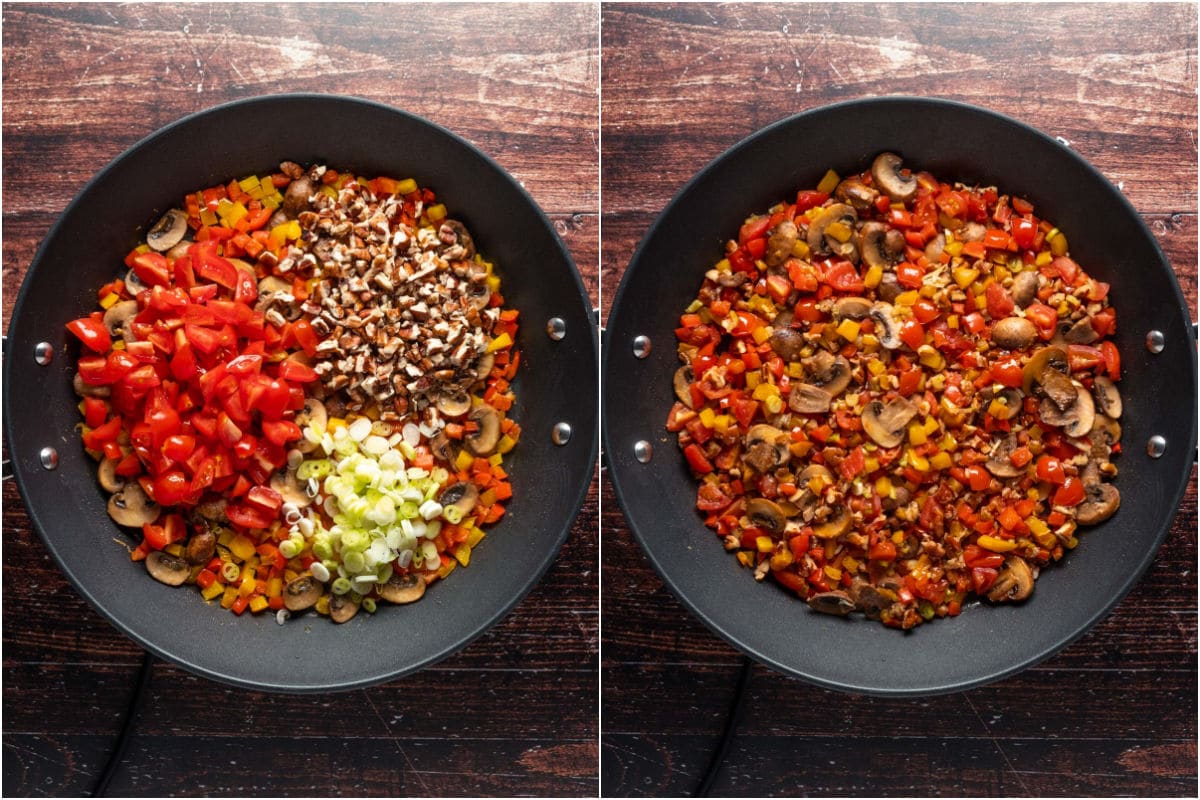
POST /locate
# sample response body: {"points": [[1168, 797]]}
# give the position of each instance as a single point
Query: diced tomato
{"points": [[999, 301], [843, 277], [152, 269], [295, 371], [697, 460], [280, 432], [1112, 360], [1024, 232], [806, 199], [910, 276], [1050, 470], [1071, 493], [709, 498], [171, 488], [1044, 318], [92, 333], [912, 333]]}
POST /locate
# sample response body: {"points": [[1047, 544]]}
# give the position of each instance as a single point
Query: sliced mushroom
{"points": [[441, 448], [821, 242], [301, 593], [462, 495], [1012, 404], [788, 343], [682, 382], [402, 589], [829, 372], [1081, 332], [766, 448], [999, 462], [836, 602], [780, 243], [808, 399], [166, 568], [885, 423], [181, 249], [85, 389], [1024, 288], [1014, 333], [483, 442], [935, 248], [1076, 419], [764, 514], [888, 177], [889, 288], [117, 319], [853, 191], [881, 246], [1108, 399], [341, 608], [835, 526], [200, 547], [1015, 581], [313, 414], [808, 499], [971, 232], [900, 496], [134, 284], [211, 511], [1105, 433], [887, 328], [168, 231], [851, 308], [131, 507], [295, 199], [454, 403], [1051, 356], [869, 599], [291, 488], [110, 481], [1101, 500]]}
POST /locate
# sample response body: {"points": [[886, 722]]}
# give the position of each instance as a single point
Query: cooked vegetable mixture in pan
{"points": [[897, 393], [299, 391]]}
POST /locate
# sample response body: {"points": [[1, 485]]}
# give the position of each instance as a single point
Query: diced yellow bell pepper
{"points": [[463, 461], [848, 329], [765, 390], [745, 558], [406, 186], [753, 380], [839, 231], [873, 277], [918, 462], [242, 547], [782, 559], [801, 249], [500, 342], [708, 417], [228, 597], [941, 460], [436, 213], [258, 604], [795, 369], [248, 183], [322, 606], [773, 405], [462, 552], [212, 591], [883, 486], [833, 573], [829, 182], [109, 300], [495, 459], [954, 248], [722, 422], [965, 276], [850, 563], [907, 298], [475, 537], [760, 335], [506, 444], [996, 545], [916, 433], [764, 544]]}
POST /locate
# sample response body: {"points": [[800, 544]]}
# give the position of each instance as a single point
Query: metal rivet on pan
{"points": [[641, 346], [561, 434], [556, 329], [1155, 341], [643, 451], [1156, 446], [49, 458], [43, 353]]}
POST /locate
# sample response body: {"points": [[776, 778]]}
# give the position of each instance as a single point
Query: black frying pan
{"points": [[84, 250], [953, 141]]}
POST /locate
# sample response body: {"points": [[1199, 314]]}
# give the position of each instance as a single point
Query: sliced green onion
{"points": [[341, 586]]}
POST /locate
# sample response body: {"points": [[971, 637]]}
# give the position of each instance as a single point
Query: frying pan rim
{"points": [[534, 576], [617, 465]]}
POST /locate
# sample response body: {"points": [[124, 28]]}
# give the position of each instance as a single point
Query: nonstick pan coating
{"points": [[84, 250], [953, 141]]}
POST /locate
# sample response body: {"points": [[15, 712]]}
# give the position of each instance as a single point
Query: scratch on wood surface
{"points": [[996, 743], [400, 748]]}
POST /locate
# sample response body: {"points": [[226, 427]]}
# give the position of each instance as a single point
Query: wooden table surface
{"points": [[513, 713], [1115, 713]]}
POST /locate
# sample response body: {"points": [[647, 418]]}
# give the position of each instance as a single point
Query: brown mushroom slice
{"points": [[1014, 333], [291, 488], [401, 589], [312, 415], [85, 389], [999, 461], [1107, 398], [1105, 433], [478, 296], [200, 547], [462, 496], [879, 247], [116, 319], [1076, 419], [341, 608], [885, 423], [890, 180], [780, 243], [870, 599], [1049, 356], [131, 507], [766, 447], [166, 568], [935, 248], [1011, 405], [764, 514], [887, 329], [1024, 288], [808, 399], [295, 197], [851, 308], [1101, 500], [821, 242], [483, 442], [441, 448], [1015, 581], [301, 593], [1081, 332], [788, 343], [836, 602], [829, 372], [110, 481], [889, 289], [453, 403], [835, 526], [682, 383], [854, 192], [1059, 388], [168, 231]]}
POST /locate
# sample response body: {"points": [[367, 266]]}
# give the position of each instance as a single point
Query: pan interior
{"points": [[85, 249], [954, 142]]}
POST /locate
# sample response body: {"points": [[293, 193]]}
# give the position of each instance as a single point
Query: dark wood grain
{"points": [[1115, 713], [513, 713]]}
